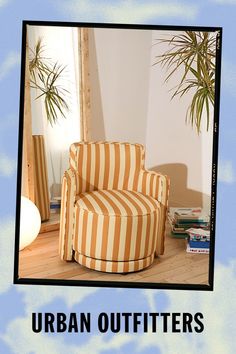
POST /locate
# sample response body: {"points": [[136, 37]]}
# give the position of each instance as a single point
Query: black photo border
{"points": [[121, 284]]}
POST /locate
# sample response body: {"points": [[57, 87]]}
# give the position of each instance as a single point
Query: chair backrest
{"points": [[106, 165]]}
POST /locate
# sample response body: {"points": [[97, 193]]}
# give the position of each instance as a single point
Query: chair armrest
{"points": [[68, 198], [155, 185]]}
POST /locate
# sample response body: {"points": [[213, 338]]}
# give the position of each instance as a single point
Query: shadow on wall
{"points": [[180, 195], [97, 127]]}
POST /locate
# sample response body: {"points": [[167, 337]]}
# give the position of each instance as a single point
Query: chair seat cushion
{"points": [[115, 226], [117, 203]]}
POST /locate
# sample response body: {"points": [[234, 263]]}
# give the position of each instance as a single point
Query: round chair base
{"points": [[114, 266]]}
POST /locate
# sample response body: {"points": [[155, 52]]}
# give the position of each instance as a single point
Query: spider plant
{"points": [[44, 76], [193, 53]]}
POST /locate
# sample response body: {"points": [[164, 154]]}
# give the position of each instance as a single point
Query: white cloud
{"points": [[229, 76], [225, 2], [37, 296], [11, 60], [217, 307], [97, 344], [226, 172], [129, 11], [3, 2], [7, 238], [22, 340], [150, 296], [7, 165]]}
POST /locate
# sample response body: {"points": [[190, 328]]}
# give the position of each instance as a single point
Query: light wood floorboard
{"points": [[40, 260]]}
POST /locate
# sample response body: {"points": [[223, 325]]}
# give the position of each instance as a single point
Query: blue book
{"points": [[199, 244], [55, 206]]}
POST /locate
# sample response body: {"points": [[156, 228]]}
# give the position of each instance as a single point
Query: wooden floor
{"points": [[40, 260]]}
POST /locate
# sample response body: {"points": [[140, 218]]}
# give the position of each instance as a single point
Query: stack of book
{"points": [[55, 205], [198, 241], [182, 219]]}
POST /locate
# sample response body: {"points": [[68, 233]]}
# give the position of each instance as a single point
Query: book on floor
{"points": [[197, 250], [186, 215], [183, 219]]}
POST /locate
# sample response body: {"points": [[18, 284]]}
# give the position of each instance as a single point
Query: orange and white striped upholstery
{"points": [[106, 165], [113, 211]]}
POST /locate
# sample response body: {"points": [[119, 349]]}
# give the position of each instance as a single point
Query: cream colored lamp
{"points": [[30, 222]]}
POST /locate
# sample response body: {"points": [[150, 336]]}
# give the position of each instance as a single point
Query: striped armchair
{"points": [[113, 211]]}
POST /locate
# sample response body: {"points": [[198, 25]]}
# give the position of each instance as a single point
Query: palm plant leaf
{"points": [[44, 77], [195, 53]]}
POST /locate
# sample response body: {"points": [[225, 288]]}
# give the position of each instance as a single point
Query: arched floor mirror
{"points": [[56, 111]]}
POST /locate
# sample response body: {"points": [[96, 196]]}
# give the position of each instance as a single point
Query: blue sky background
{"points": [[17, 302]]}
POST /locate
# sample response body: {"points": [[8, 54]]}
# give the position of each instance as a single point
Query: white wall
{"points": [[61, 45], [130, 102], [119, 64], [186, 155]]}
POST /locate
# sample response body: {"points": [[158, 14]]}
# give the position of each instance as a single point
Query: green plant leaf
{"points": [[194, 52], [44, 77]]}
